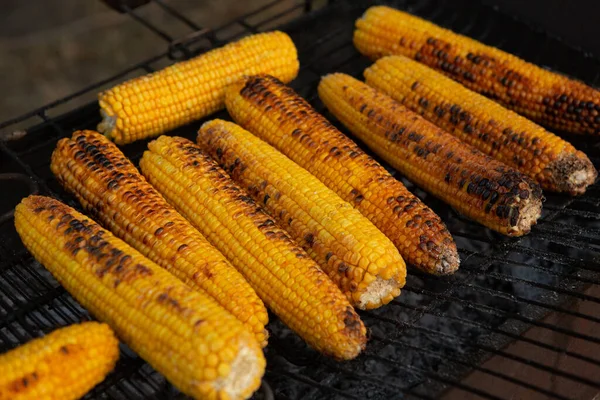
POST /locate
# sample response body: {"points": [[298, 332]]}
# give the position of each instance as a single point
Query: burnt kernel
{"points": [[469, 76], [112, 184], [486, 194], [447, 178], [578, 110], [328, 256], [471, 188], [397, 209], [310, 239], [266, 198], [488, 207], [535, 141], [524, 194], [537, 152], [431, 41], [439, 111], [414, 85], [266, 223], [514, 219], [494, 198], [590, 105], [343, 267], [182, 247], [296, 132], [423, 102], [546, 101], [500, 210], [563, 98]]}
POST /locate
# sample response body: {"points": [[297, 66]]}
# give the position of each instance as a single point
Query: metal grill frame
{"points": [[32, 303]]}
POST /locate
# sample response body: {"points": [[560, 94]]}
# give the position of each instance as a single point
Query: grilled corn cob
{"points": [[283, 275], [554, 163], [349, 248], [63, 365], [543, 96], [474, 184], [185, 335], [150, 105], [112, 190], [266, 107]]}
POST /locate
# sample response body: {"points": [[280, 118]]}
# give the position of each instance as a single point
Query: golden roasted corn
{"points": [[349, 248], [541, 95], [150, 105], [112, 190], [514, 140], [266, 107], [283, 275], [64, 365], [185, 335], [474, 184]]}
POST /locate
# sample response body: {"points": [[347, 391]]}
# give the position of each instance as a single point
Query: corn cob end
{"points": [[573, 173], [449, 261], [109, 122], [245, 373]]}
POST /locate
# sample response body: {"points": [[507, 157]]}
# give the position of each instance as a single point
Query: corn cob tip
{"points": [[573, 173], [245, 371], [448, 263], [108, 124]]}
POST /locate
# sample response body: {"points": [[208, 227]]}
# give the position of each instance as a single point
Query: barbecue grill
{"points": [[519, 317]]}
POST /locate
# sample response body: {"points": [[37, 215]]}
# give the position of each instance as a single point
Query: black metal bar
{"points": [[156, 30], [507, 314], [173, 12], [472, 366]]}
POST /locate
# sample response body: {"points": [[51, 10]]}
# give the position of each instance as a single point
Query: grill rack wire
{"points": [[424, 343]]}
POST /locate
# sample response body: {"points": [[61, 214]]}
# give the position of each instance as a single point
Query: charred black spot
{"points": [[309, 238], [266, 198], [159, 231], [266, 223], [328, 256], [343, 267], [414, 85]]}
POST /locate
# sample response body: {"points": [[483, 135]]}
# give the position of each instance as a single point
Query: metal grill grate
{"points": [[440, 329]]}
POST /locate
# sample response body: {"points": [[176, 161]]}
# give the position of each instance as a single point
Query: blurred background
{"points": [[52, 48]]}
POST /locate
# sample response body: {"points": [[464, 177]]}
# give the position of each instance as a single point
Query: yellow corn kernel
{"points": [[514, 140], [266, 107], [476, 185], [112, 190], [333, 233], [283, 275], [167, 323], [64, 365], [150, 105], [541, 95]]}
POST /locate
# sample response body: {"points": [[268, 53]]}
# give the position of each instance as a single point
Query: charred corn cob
{"points": [[283, 275], [112, 190], [476, 185], [185, 335], [357, 257], [266, 107], [554, 163], [64, 365], [543, 96], [150, 105]]}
